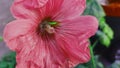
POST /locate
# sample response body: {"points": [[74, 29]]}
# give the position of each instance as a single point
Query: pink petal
{"points": [[38, 53], [15, 29], [70, 45], [72, 36], [19, 11], [50, 9], [81, 25], [53, 9], [33, 3], [70, 9]]}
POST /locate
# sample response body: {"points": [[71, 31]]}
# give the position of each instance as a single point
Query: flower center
{"points": [[48, 27]]}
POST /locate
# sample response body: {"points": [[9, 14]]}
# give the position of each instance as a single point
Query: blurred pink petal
{"points": [[34, 3], [54, 9], [70, 9], [73, 37], [21, 12], [37, 46], [17, 27], [81, 25]]}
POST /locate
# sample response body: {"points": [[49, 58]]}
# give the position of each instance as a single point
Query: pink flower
{"points": [[50, 34]]}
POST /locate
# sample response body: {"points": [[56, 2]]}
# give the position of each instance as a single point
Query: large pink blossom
{"points": [[50, 33]]}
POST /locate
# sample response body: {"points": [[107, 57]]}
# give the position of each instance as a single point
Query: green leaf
{"points": [[116, 64], [9, 56], [9, 60], [100, 65], [104, 39], [3, 64], [108, 31], [80, 66], [94, 8], [102, 22], [1, 38], [11, 65], [106, 28]]}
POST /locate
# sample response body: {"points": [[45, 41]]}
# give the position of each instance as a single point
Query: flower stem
{"points": [[92, 57], [94, 44]]}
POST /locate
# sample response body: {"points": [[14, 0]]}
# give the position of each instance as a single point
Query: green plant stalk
{"points": [[92, 57], [94, 44]]}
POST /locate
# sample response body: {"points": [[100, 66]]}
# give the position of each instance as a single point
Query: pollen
{"points": [[48, 27]]}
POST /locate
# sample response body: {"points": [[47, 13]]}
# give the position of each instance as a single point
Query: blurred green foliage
{"points": [[8, 61], [105, 33], [89, 64], [115, 65], [1, 38], [98, 64]]}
